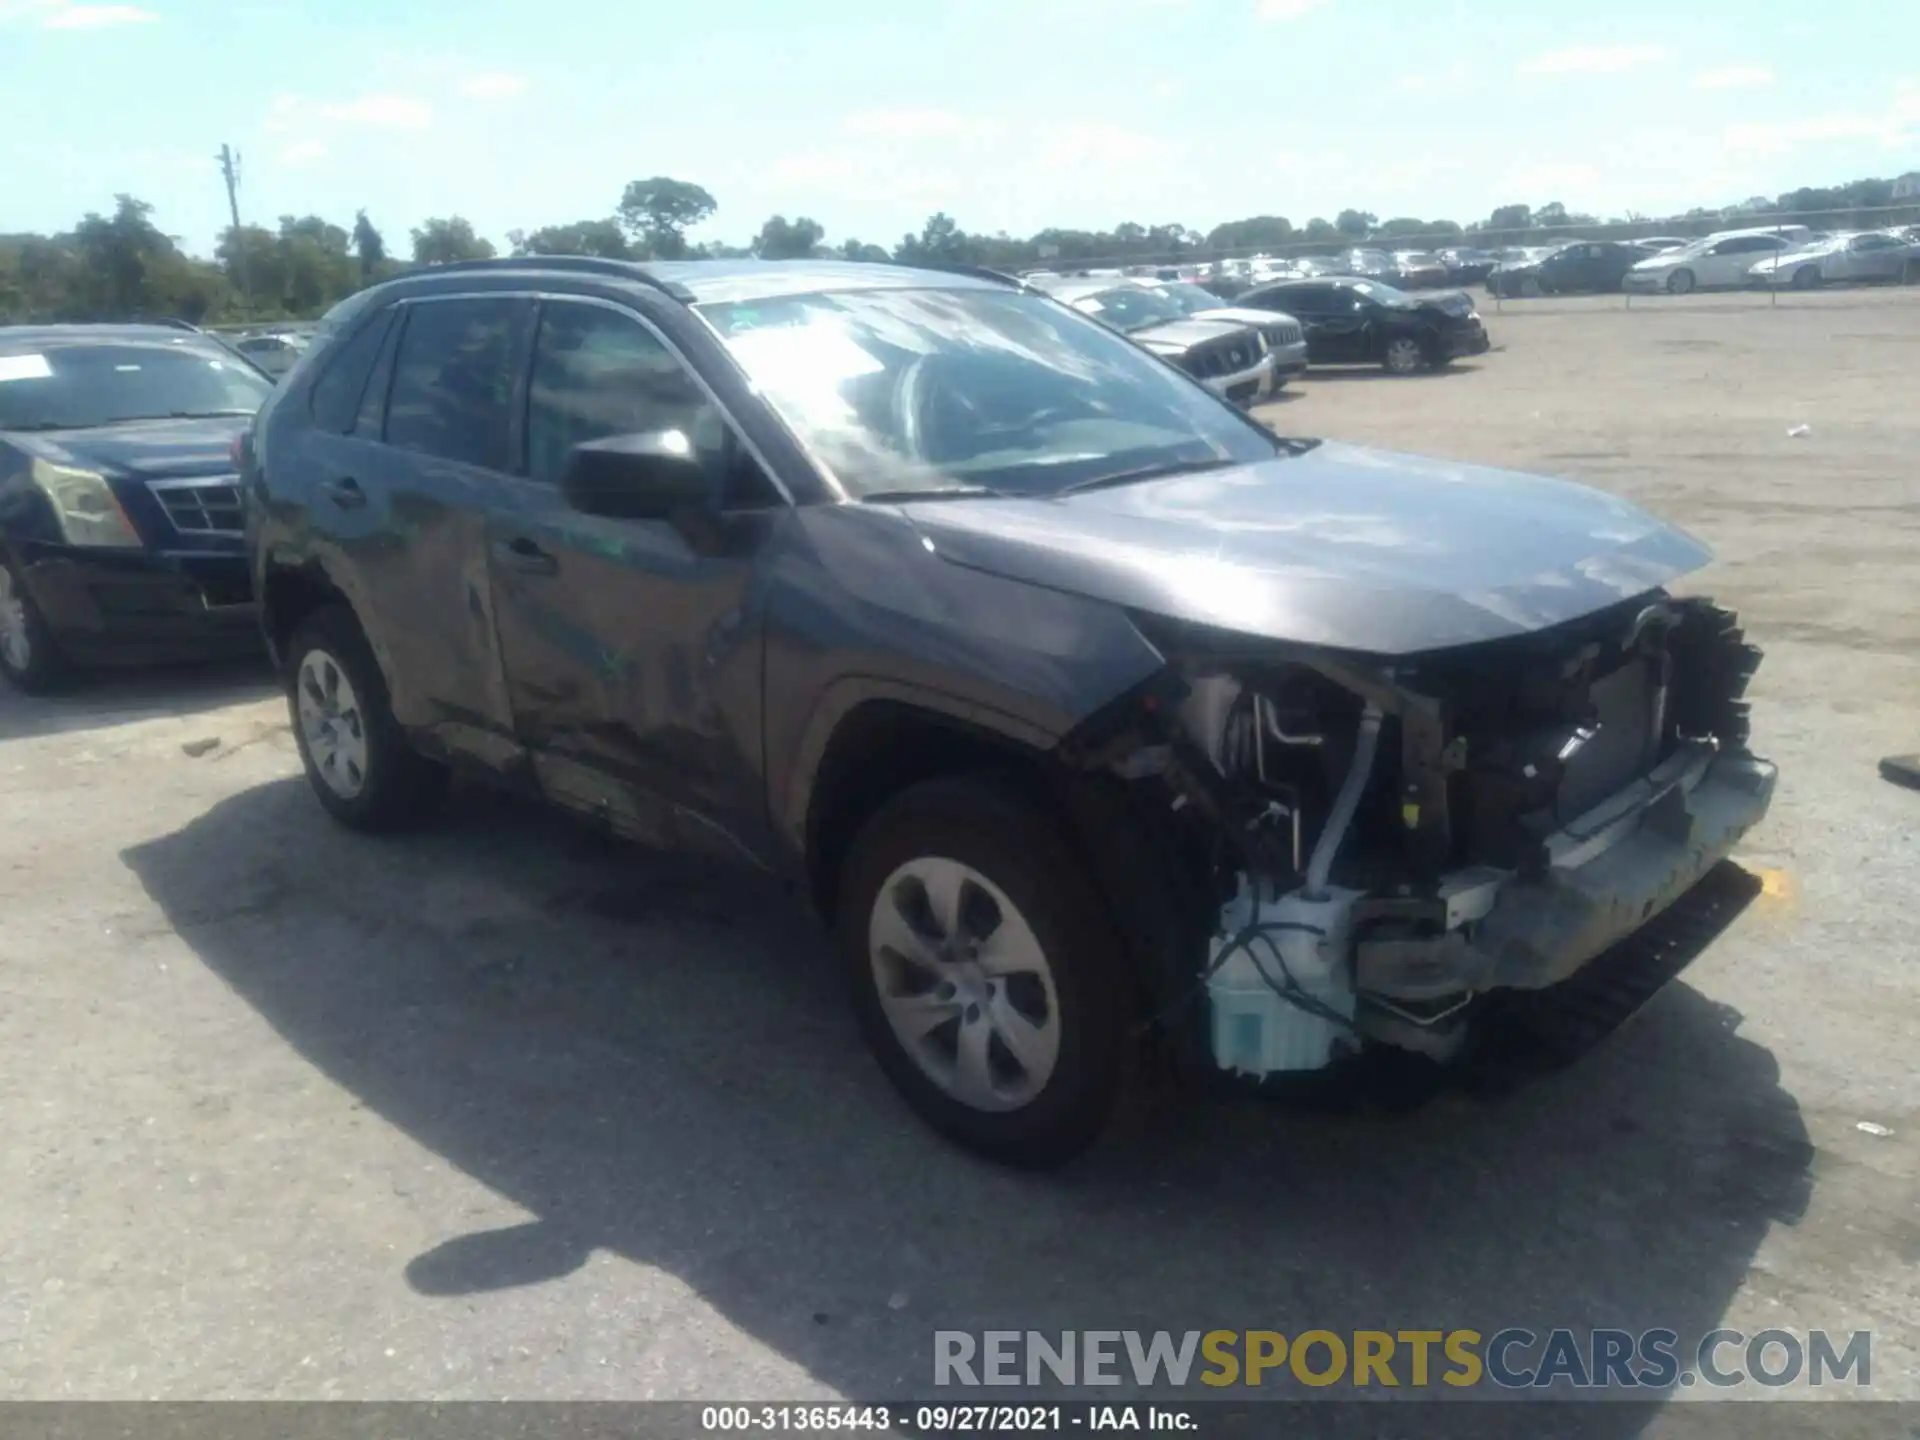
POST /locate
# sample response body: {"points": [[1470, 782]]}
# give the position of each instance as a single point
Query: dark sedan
{"points": [[1352, 321], [120, 520], [1589, 266]]}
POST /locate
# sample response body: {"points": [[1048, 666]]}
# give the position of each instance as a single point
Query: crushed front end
{"points": [[1369, 851]]}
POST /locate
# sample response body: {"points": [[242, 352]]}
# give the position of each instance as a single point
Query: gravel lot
{"points": [[499, 1110]]}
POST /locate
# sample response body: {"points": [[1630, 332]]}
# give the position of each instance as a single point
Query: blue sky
{"points": [[1009, 114]]}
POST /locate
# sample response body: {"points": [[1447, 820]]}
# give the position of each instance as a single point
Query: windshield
{"points": [[1132, 307], [936, 390], [76, 387], [1380, 294], [1191, 298]]}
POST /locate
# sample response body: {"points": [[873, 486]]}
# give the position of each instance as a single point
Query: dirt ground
{"points": [[498, 1110]]}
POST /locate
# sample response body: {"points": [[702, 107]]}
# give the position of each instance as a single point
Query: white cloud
{"points": [[493, 85], [1778, 137], [1594, 60], [1453, 78], [816, 168], [917, 124], [387, 112], [302, 152], [1081, 145], [282, 114], [93, 17], [1551, 178], [1286, 9], [1733, 77]]}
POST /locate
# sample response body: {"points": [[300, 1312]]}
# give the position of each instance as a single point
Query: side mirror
{"points": [[651, 476]]}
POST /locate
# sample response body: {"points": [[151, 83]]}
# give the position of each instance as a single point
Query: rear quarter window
{"points": [[336, 393]]}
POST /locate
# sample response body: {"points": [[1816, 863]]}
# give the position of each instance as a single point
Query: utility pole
{"points": [[230, 168]]}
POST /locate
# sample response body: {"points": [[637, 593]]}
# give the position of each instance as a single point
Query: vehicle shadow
{"points": [[98, 699], [653, 1059], [1321, 373]]}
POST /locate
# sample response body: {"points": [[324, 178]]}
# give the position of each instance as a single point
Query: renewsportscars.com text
{"points": [[1510, 1359]]}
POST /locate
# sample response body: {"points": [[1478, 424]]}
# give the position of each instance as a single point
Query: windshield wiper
{"points": [[1158, 470], [937, 492]]}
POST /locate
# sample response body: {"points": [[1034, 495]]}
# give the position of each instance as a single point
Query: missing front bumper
{"points": [[1608, 874]]}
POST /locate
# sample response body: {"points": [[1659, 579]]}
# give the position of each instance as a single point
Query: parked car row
{"points": [[1291, 323], [1785, 255]]}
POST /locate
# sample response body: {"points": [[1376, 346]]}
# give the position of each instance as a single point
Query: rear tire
{"points": [[29, 656], [356, 755], [964, 916]]}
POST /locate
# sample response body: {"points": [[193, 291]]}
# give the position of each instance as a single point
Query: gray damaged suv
{"points": [[1082, 707]]}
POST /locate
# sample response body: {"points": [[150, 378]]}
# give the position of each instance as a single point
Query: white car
{"points": [[1713, 262], [1874, 255], [273, 353]]}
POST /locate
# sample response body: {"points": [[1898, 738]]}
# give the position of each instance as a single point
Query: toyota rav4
{"points": [[1079, 704]]}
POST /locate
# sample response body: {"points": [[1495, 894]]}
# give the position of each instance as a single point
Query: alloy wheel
{"points": [[964, 984], [16, 641], [332, 724], [1403, 355]]}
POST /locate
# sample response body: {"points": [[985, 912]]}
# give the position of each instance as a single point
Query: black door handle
{"points": [[345, 492], [523, 555]]}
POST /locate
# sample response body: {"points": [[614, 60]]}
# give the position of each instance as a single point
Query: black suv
{"points": [[120, 520], [1082, 706]]}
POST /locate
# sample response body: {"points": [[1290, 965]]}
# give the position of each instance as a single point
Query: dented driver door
{"points": [[631, 647]]}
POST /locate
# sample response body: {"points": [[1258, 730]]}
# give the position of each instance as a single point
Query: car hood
{"points": [[143, 449], [1237, 316], [1343, 547], [1173, 336], [1665, 260]]}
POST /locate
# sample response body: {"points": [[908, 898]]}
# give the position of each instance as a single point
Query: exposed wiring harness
{"points": [[1286, 987]]}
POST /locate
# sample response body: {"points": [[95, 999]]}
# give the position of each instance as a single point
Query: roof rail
{"points": [[584, 264], [978, 272]]}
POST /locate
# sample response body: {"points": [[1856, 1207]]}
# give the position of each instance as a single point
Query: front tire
{"points": [[29, 657], [986, 975], [1807, 277], [1402, 355], [356, 755], [1680, 283]]}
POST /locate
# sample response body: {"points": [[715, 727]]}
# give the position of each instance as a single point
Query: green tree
{"points": [[658, 213], [1319, 232], [369, 246], [784, 239], [860, 250], [1508, 223], [582, 237], [1355, 224], [316, 264], [441, 242], [118, 256], [941, 241]]}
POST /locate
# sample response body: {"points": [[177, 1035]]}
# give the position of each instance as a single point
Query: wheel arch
{"points": [[879, 743], [884, 744]]}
